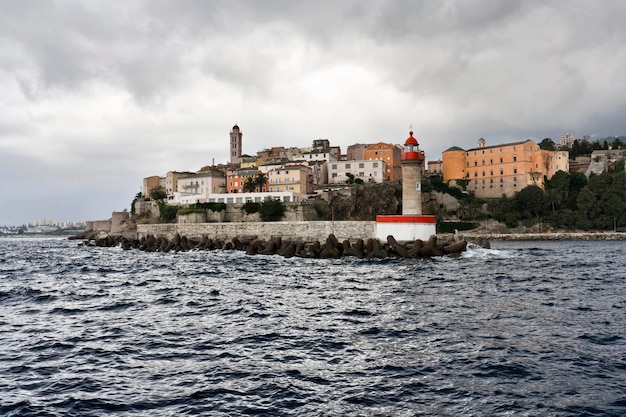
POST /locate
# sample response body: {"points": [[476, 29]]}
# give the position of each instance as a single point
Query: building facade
{"points": [[149, 184], [236, 179], [491, 171], [390, 155], [201, 184], [171, 182], [435, 167], [368, 171], [295, 178], [356, 152]]}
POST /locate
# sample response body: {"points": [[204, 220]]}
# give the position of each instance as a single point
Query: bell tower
{"points": [[235, 144]]}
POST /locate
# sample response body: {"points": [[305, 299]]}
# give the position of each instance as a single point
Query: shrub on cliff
{"points": [[216, 207], [251, 207], [271, 210], [168, 213]]}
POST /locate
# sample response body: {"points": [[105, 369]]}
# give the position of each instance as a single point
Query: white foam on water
{"points": [[474, 251]]}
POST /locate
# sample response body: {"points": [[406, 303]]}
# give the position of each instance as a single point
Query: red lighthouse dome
{"points": [[411, 148]]}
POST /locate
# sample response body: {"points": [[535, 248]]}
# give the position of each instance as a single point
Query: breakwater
{"points": [[371, 248]]}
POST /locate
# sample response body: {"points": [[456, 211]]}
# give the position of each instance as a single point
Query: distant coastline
{"points": [[545, 236]]}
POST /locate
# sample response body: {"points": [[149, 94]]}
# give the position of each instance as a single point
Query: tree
{"points": [[350, 179], [530, 200], [250, 185], [553, 198], [547, 144], [617, 144], [577, 181], [158, 194], [260, 181], [271, 210], [587, 203]]}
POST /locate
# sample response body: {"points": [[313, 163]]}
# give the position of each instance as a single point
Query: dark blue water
{"points": [[525, 329]]}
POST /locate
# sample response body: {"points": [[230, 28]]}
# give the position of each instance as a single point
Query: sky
{"points": [[95, 95]]}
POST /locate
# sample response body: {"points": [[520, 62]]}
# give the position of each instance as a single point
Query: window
{"points": [[491, 172], [491, 162], [361, 165], [334, 166], [483, 162], [500, 159], [475, 173], [501, 171], [514, 158], [483, 173], [475, 163], [515, 170], [375, 164], [347, 166]]}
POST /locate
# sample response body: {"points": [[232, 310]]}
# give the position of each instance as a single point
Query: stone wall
{"points": [[100, 226], [117, 220], [301, 230]]}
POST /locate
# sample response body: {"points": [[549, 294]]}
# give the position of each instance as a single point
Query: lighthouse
{"points": [[412, 224], [412, 163]]}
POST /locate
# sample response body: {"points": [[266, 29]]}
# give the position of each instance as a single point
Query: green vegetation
{"points": [[271, 210], [132, 204], [584, 147], [251, 207], [158, 194], [168, 213], [216, 207], [352, 180], [189, 210]]}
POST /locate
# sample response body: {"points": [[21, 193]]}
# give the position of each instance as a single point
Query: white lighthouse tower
{"points": [[411, 225]]}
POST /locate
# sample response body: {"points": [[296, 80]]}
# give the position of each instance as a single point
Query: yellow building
{"points": [[491, 171], [294, 178]]}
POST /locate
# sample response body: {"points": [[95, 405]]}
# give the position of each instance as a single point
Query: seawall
{"points": [[293, 230]]}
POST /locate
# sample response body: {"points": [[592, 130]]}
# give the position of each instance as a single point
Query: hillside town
{"points": [[294, 174]]}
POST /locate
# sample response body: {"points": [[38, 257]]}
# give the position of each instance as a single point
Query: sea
{"points": [[522, 329]]}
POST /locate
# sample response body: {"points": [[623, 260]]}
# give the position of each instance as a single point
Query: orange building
{"points": [[390, 154], [491, 171], [236, 179]]}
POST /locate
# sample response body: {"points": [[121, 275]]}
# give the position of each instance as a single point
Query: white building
{"points": [[368, 171], [195, 188]]}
